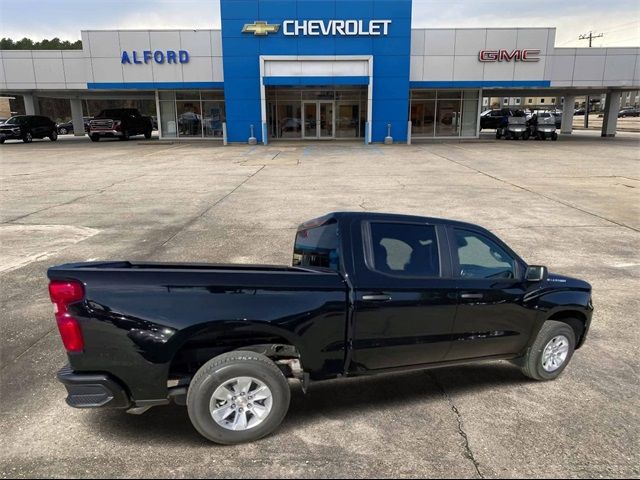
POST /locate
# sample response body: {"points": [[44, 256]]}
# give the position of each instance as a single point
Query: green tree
{"points": [[46, 44]]}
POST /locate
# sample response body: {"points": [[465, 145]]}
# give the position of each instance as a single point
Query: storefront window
{"points": [[469, 113], [213, 115], [288, 120], [192, 114], [189, 118], [348, 120], [448, 118], [168, 123], [423, 115], [444, 113]]}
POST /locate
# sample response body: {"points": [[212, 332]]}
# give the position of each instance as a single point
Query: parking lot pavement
{"points": [[573, 205]]}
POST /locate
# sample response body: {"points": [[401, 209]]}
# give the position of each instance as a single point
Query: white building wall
{"points": [[100, 61], [442, 55], [452, 55]]}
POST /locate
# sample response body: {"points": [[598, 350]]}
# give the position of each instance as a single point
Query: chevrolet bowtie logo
{"points": [[261, 28]]}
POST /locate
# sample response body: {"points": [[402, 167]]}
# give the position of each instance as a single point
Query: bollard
{"points": [[252, 139], [388, 140]]}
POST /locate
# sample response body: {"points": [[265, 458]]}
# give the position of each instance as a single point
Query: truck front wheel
{"points": [[551, 351], [238, 397]]}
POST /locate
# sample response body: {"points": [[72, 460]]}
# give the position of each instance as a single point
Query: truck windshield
{"points": [[318, 247]]}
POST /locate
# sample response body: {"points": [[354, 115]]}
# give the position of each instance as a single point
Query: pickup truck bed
{"points": [[137, 316]]}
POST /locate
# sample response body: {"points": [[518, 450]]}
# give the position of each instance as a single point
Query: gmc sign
{"points": [[526, 55]]}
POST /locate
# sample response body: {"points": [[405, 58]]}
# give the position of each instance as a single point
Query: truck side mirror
{"points": [[536, 273]]}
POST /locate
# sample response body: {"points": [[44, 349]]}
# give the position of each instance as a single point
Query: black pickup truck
{"points": [[121, 123], [367, 293]]}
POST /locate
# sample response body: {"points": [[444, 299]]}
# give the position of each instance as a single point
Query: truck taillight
{"points": [[64, 293]]}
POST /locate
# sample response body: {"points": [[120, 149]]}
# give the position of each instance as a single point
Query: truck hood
{"points": [[556, 280]]}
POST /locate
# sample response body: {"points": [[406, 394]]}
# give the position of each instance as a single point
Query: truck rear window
{"points": [[318, 247]]}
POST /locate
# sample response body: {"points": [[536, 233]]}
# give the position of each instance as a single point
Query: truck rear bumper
{"points": [[92, 390]]}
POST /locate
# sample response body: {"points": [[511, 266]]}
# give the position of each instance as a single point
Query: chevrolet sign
{"points": [[321, 27], [261, 28], [336, 27]]}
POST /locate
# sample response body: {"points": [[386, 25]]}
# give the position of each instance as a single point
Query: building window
{"points": [[191, 114], [444, 113], [541, 100]]}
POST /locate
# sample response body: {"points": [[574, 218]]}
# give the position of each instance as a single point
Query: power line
{"points": [[590, 36]]}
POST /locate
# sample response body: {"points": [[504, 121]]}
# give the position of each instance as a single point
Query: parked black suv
{"points": [[28, 127], [121, 123], [493, 118]]}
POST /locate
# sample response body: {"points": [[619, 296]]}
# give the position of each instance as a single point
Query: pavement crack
{"points": [[204, 212], [468, 452], [515, 185], [69, 202]]}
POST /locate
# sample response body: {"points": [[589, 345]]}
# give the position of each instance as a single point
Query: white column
{"points": [[76, 117], [611, 110], [31, 106], [567, 114]]}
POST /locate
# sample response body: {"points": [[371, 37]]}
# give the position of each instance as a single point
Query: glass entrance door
{"points": [[318, 119]]}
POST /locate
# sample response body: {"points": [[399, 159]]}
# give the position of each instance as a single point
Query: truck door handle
{"points": [[471, 295], [376, 298]]}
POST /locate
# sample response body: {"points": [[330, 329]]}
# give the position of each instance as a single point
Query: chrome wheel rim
{"points": [[241, 403], [555, 353]]}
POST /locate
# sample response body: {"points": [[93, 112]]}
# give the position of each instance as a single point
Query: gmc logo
{"points": [[526, 55]]}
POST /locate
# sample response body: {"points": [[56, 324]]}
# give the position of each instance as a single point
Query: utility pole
{"points": [[590, 37], [587, 102]]}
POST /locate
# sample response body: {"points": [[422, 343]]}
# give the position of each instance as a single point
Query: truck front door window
{"points": [[480, 257]]}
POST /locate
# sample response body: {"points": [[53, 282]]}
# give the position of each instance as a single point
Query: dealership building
{"points": [[320, 69]]}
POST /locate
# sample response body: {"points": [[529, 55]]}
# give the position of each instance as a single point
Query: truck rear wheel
{"points": [[551, 351], [148, 134], [94, 138], [238, 397]]}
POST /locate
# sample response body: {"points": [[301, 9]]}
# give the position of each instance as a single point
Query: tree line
{"points": [[28, 44]]}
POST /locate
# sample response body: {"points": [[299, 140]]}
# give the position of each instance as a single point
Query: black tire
{"points": [[1, 141], [62, 131], [554, 136], [27, 137], [525, 136], [148, 134], [498, 135], [531, 364], [54, 136], [225, 367], [94, 138], [125, 135]]}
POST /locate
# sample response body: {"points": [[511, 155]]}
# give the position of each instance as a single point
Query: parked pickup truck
{"points": [[121, 123], [367, 293]]}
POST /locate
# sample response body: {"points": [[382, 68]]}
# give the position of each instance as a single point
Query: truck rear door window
{"points": [[405, 249], [318, 247]]}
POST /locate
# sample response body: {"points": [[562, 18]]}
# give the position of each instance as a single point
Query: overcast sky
{"points": [[619, 20]]}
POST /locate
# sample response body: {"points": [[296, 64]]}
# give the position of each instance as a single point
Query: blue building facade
{"points": [[356, 48]]}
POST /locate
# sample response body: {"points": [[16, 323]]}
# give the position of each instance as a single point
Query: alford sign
{"points": [[321, 27], [525, 55], [157, 56]]}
